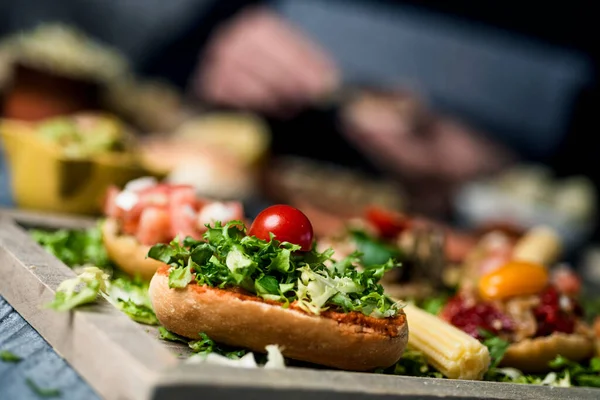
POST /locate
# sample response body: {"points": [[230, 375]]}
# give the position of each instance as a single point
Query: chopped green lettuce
{"points": [[277, 271], [204, 345], [131, 297], [374, 251], [42, 392], [74, 247], [9, 357], [78, 248], [83, 289]]}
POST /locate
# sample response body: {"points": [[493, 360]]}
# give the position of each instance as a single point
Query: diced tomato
{"points": [[458, 245], [110, 206], [389, 223], [183, 212], [566, 281], [154, 226], [161, 188], [220, 211], [153, 197]]}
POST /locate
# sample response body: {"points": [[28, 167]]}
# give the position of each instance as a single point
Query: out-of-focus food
{"points": [[220, 155], [66, 164], [517, 292], [244, 291], [527, 196], [152, 106], [85, 135], [450, 350], [540, 245], [380, 234], [56, 70], [333, 189], [147, 212]]}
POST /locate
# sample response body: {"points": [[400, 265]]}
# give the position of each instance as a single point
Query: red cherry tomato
{"points": [[287, 223], [388, 223]]}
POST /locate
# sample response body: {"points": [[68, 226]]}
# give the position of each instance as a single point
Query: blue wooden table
{"points": [[40, 363]]}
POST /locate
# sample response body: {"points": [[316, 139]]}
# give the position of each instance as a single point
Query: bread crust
{"points": [[125, 251], [248, 321], [533, 355]]}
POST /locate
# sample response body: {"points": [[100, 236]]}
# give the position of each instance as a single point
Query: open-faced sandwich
{"points": [[269, 285], [426, 249], [514, 290], [147, 212]]}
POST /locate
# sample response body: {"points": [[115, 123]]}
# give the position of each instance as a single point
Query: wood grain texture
{"points": [[124, 360], [108, 349]]}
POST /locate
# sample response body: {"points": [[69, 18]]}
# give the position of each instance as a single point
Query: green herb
{"points": [[579, 374], [413, 363], [7, 356], [374, 251], [74, 247], [131, 297], [165, 334], [591, 307], [203, 346], [276, 271], [434, 305], [81, 290], [42, 392], [496, 346], [128, 295]]}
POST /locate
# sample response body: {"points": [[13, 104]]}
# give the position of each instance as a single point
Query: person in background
{"points": [[516, 84]]}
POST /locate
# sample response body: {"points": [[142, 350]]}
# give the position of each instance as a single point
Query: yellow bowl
{"points": [[43, 178]]}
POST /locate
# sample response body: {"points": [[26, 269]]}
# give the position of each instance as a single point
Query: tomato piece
{"points": [[515, 278], [287, 223], [566, 281], [183, 211], [388, 223], [223, 212], [153, 228], [152, 197]]}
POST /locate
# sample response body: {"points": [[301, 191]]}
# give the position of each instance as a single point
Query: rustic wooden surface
{"points": [[123, 360]]}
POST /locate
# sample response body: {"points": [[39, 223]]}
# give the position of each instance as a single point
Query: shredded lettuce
{"points": [[74, 247], [9, 357], [204, 345], [374, 251], [83, 289], [276, 271], [206, 350], [84, 250], [40, 391]]}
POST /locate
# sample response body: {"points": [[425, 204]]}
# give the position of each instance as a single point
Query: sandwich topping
{"points": [[275, 271]]}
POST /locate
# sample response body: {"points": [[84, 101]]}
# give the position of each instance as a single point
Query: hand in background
{"points": [[258, 62], [431, 155]]}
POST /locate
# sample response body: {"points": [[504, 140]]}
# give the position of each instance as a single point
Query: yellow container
{"points": [[44, 179]]}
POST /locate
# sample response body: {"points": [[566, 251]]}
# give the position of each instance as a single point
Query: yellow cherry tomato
{"points": [[515, 278]]}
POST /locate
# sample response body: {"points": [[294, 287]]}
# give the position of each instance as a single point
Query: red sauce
{"points": [[551, 317], [471, 317], [386, 326]]}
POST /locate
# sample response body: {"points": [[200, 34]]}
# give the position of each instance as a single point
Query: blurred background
{"points": [[475, 115]]}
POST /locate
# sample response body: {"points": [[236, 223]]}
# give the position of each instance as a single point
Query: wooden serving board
{"points": [[124, 360]]}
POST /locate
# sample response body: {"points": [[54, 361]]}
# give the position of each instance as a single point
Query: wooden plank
{"points": [[46, 220], [124, 360], [110, 351]]}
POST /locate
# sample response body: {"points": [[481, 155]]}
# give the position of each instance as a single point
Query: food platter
{"points": [[122, 359]]}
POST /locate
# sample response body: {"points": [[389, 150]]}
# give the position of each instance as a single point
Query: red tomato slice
{"points": [[183, 212], [389, 223], [154, 226], [220, 211]]}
